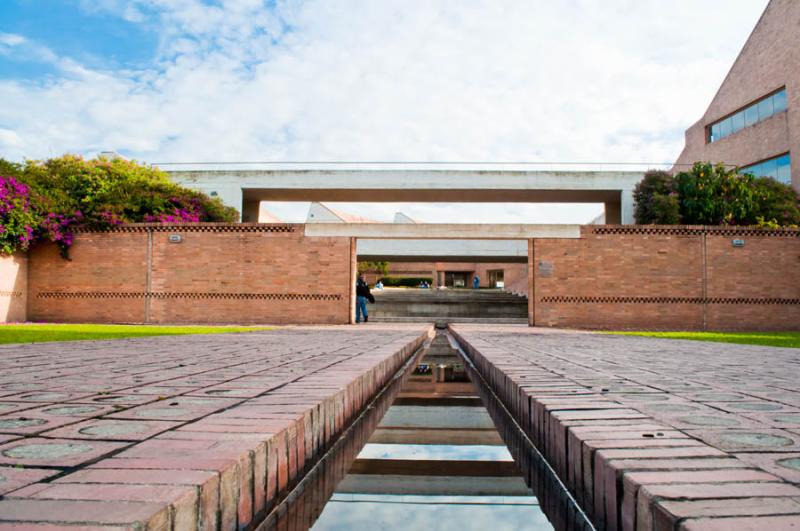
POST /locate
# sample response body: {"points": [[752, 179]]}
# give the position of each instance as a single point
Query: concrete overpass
{"points": [[245, 188], [442, 242]]}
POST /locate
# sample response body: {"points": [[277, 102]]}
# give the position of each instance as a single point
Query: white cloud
{"points": [[11, 39], [393, 80]]}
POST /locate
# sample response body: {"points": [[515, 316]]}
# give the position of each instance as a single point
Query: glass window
{"points": [[715, 133], [785, 169], [765, 109], [779, 101], [725, 128], [770, 168], [755, 169], [737, 121], [750, 115], [760, 110], [785, 174]]}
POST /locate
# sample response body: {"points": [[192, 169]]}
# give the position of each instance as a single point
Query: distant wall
{"points": [[216, 274], [662, 278], [13, 288], [515, 274]]}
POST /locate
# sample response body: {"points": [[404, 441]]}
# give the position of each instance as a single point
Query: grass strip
{"points": [[768, 339], [37, 332]]}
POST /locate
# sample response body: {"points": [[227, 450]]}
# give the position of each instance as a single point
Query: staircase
{"points": [[451, 305]]}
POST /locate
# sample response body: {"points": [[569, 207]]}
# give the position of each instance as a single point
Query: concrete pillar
{"points": [[613, 213], [250, 210], [531, 283], [626, 207]]}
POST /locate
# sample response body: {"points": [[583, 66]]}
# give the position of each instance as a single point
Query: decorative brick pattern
{"points": [[665, 300], [690, 230], [11, 294], [174, 295], [196, 227]]}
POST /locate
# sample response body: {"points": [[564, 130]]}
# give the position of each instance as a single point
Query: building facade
{"points": [[753, 122]]}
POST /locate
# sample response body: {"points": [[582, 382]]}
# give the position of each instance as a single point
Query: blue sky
{"points": [[97, 38], [413, 80]]}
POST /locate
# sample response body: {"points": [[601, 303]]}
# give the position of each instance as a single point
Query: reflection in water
{"points": [[433, 459]]}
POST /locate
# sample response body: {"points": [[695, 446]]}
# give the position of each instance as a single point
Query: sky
{"points": [[353, 80]]}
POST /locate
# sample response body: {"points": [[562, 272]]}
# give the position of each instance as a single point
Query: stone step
{"points": [[488, 320]]}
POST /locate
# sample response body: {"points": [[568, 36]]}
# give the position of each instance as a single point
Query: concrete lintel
{"points": [[442, 231]]}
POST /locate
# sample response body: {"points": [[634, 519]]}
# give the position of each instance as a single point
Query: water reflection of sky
{"points": [[408, 515], [435, 452]]}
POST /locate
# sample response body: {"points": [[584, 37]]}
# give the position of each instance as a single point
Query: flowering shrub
{"points": [[18, 221], [48, 200]]}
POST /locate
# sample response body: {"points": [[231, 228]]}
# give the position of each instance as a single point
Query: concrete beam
{"points": [[443, 250], [442, 231], [404, 183]]}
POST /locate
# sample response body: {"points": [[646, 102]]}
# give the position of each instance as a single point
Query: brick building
{"points": [[753, 122]]}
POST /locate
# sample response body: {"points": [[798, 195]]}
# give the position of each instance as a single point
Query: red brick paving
{"points": [[199, 432], [654, 434]]}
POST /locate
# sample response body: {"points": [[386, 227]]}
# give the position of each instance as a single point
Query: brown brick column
{"points": [[531, 284]]}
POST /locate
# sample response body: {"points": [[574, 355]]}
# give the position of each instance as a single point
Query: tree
{"points": [[714, 195]]}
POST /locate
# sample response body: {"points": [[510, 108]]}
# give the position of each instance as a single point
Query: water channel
{"points": [[436, 450]]}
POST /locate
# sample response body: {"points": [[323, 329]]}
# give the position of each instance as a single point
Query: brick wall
{"points": [[13, 288], [685, 278], [613, 277], [216, 274]]}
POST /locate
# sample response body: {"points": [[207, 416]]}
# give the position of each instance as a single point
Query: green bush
{"points": [[68, 192], [656, 199], [777, 202], [409, 282], [381, 268], [714, 195]]}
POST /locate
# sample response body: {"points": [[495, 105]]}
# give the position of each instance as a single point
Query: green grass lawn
{"points": [[769, 339], [34, 332]]}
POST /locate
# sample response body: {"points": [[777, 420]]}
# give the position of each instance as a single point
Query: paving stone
{"points": [[63, 453], [244, 443], [13, 478], [146, 515], [758, 523], [738, 404], [749, 440], [113, 429], [786, 466]]}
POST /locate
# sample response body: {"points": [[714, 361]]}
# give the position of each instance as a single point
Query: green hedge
{"points": [[407, 282]]}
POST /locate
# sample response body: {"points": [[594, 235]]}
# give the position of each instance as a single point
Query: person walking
{"points": [[362, 296], [476, 282]]}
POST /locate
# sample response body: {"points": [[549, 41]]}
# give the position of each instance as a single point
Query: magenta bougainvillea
{"points": [[47, 201], [18, 221]]}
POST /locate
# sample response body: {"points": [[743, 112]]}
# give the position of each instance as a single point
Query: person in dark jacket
{"points": [[362, 296]]}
